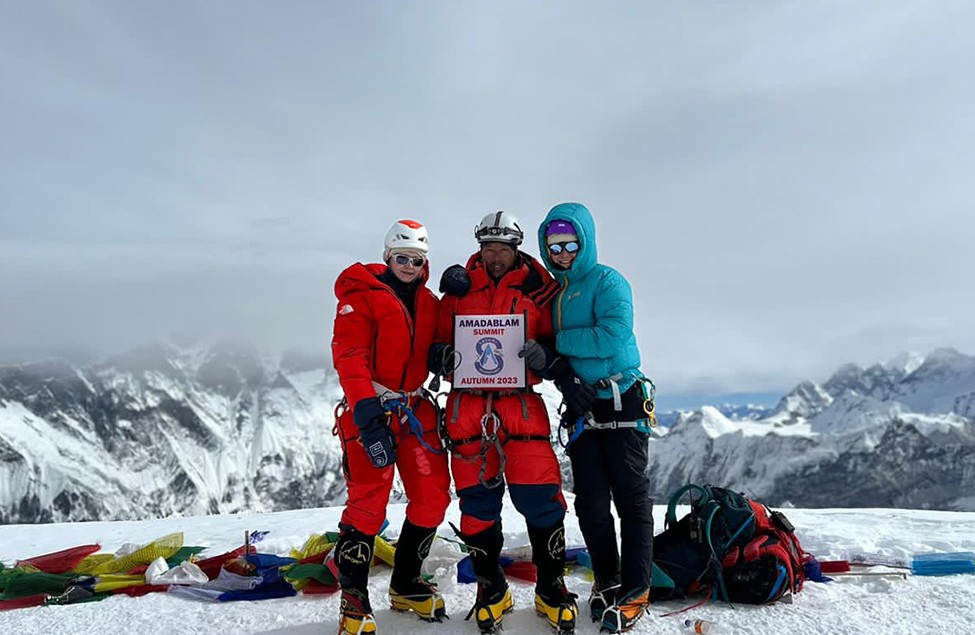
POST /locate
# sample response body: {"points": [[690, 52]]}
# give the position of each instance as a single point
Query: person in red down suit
{"points": [[500, 436], [384, 326]]}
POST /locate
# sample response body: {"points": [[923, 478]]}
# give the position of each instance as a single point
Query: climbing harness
{"points": [[488, 438], [574, 429], [490, 435]]}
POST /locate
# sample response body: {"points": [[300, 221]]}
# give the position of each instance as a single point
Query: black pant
{"points": [[612, 465]]}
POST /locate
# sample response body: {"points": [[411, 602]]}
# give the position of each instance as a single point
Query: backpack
{"points": [[735, 548]]}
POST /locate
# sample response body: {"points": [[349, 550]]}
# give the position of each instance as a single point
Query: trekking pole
{"points": [[882, 574], [943, 563]]}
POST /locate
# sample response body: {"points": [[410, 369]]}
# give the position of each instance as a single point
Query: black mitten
{"points": [[377, 438], [455, 281]]}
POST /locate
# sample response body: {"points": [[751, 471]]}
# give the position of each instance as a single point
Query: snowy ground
{"points": [[849, 605]]}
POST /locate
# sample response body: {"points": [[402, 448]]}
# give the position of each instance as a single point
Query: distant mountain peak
{"points": [[905, 361], [805, 400], [715, 423], [946, 357]]}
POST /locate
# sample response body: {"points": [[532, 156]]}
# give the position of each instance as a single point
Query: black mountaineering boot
{"points": [[353, 557], [408, 591], [493, 597], [552, 600]]}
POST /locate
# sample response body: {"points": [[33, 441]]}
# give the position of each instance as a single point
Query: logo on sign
{"points": [[490, 358]]}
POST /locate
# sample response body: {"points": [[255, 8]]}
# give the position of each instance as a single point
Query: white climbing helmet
{"points": [[499, 227], [406, 235]]}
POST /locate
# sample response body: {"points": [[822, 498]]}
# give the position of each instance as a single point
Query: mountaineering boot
{"points": [[627, 611], [408, 591], [352, 558], [558, 607], [493, 597], [356, 617], [552, 600], [418, 596], [601, 598], [490, 606]]}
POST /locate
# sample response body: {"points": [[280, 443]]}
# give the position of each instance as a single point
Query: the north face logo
{"points": [[345, 309]]}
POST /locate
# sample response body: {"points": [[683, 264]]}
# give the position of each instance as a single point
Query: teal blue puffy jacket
{"points": [[593, 314]]}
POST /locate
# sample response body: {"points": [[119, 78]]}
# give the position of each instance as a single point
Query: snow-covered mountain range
{"points": [[900, 434], [171, 429], [167, 430]]}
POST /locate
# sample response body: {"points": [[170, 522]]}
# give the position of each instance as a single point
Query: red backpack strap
{"points": [[762, 520]]}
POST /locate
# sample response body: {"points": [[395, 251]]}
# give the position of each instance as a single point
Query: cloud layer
{"points": [[787, 186]]}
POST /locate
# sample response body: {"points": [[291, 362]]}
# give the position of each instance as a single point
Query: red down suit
{"points": [[522, 423], [376, 340]]}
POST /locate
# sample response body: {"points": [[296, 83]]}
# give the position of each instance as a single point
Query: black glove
{"points": [[536, 356], [371, 418], [441, 359], [578, 394], [455, 281]]}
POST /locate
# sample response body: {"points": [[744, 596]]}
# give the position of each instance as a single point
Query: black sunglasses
{"points": [[403, 260], [569, 247]]}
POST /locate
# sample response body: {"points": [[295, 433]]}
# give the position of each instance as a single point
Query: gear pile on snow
{"points": [[734, 548]]}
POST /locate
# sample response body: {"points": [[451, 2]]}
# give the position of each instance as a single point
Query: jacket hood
{"points": [[580, 217]]}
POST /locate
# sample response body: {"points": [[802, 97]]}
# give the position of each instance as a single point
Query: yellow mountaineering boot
{"points": [[558, 607], [351, 558], [552, 600], [418, 596], [356, 617], [627, 611], [490, 607], [493, 597], [408, 591]]}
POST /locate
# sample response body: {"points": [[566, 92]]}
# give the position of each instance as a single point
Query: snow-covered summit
{"points": [[805, 400], [906, 362], [851, 604]]}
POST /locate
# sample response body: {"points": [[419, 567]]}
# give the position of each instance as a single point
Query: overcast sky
{"points": [[787, 185]]}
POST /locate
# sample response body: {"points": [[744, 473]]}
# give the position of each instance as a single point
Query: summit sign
{"points": [[487, 348]]}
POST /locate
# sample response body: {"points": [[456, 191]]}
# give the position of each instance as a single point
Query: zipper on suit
{"points": [[558, 306], [412, 329]]}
